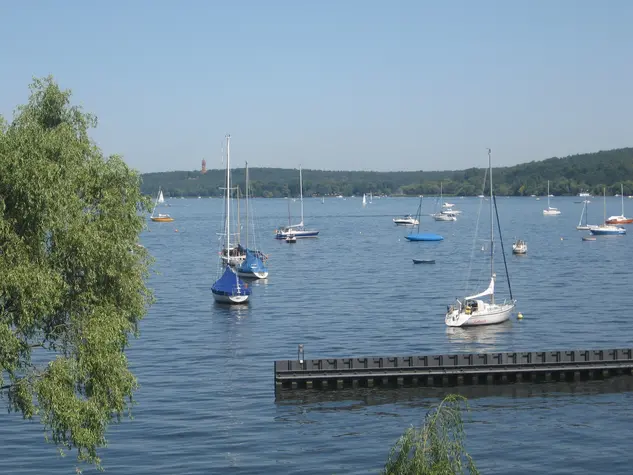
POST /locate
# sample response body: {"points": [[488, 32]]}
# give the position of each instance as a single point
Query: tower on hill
{"points": [[204, 166]]}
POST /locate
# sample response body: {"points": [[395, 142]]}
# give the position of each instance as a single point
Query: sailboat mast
{"points": [[604, 195], [246, 190], [238, 228], [156, 202], [301, 192], [622, 196], [492, 227], [228, 195]]}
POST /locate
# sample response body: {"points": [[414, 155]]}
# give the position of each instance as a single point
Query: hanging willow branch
{"points": [[435, 448]]}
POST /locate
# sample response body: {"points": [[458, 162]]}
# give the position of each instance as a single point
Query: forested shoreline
{"points": [[568, 176]]}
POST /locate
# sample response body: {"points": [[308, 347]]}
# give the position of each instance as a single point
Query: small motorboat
{"points": [[519, 247], [291, 238], [588, 238], [407, 220], [424, 261]]}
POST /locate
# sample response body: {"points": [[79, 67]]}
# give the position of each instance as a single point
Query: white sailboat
{"points": [[444, 215], [606, 229], [254, 264], [550, 211], [472, 310], [586, 226], [298, 230], [621, 219], [229, 288], [160, 218], [364, 200]]}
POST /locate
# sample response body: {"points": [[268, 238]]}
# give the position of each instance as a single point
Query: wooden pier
{"points": [[451, 369]]}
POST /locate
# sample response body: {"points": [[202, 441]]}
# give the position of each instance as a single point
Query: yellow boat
{"points": [[161, 218]]}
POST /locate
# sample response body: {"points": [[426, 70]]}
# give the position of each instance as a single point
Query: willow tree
{"points": [[72, 274], [436, 448]]}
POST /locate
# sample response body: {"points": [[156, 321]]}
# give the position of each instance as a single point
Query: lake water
{"points": [[207, 401]]}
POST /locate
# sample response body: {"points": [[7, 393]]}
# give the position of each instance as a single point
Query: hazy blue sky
{"points": [[348, 84]]}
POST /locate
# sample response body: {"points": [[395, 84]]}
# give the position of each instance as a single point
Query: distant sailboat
{"points": [[364, 200], [298, 230], [620, 219], [160, 218], [447, 214], [422, 236], [550, 211], [584, 212], [252, 266], [606, 229], [229, 288]]}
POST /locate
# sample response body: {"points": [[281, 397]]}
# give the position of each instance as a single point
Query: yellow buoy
{"points": [[520, 316]]}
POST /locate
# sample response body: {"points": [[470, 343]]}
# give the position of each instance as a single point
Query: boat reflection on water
{"points": [[477, 335], [236, 312]]}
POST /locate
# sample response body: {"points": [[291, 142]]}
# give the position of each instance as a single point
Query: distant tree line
{"points": [[571, 175]]}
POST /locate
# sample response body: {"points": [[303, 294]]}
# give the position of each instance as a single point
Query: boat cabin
{"points": [[471, 306]]}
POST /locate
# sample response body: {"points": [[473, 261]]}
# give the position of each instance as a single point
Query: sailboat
{"points": [[550, 211], [160, 218], [606, 229], [229, 288], [252, 266], [364, 200], [447, 214], [584, 212], [422, 236], [472, 310], [620, 219], [298, 230]]}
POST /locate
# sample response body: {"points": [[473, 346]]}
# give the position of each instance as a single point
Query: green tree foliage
{"points": [[437, 448], [568, 176], [72, 289]]}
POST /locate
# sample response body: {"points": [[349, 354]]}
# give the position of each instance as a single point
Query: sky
{"points": [[336, 85]]}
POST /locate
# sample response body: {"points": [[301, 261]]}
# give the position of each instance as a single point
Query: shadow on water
{"points": [[421, 395]]}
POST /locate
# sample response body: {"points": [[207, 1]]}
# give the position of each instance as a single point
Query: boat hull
{"points": [[444, 217], [222, 297], [162, 219], [424, 237], [619, 221], [298, 234], [253, 274], [493, 314], [607, 232], [405, 223]]}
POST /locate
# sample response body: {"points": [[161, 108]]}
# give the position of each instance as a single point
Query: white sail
{"points": [[364, 199], [161, 199], [489, 291]]}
